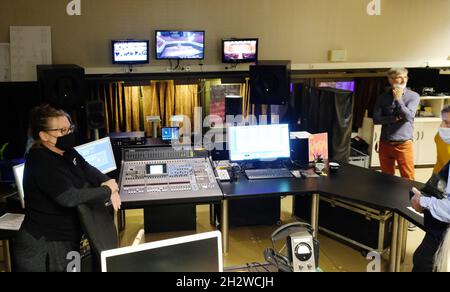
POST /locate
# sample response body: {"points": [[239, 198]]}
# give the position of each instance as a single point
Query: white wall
{"points": [[408, 31]]}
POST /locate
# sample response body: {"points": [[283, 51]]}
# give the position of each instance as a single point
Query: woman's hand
{"points": [[116, 201], [112, 185]]}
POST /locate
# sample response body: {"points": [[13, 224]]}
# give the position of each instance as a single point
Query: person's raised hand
{"points": [[398, 93]]}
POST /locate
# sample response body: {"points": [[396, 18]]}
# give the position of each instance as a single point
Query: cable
{"points": [[178, 65]]}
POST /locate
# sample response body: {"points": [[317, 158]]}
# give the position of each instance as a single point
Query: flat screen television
{"points": [[239, 50], [179, 45], [130, 52]]}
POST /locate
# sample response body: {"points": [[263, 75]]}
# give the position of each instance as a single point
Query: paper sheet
{"points": [[5, 64], [30, 46], [414, 211], [11, 221]]}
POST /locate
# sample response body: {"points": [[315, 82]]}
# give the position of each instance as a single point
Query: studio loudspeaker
{"points": [[62, 86], [95, 110], [270, 82]]}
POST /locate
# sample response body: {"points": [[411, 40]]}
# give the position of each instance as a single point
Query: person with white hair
{"points": [[395, 110]]}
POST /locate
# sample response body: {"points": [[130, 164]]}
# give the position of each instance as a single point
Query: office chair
{"points": [[97, 222]]}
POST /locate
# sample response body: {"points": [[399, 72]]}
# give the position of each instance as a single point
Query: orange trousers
{"points": [[403, 154]]}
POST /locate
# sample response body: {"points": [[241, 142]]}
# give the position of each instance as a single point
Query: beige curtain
{"points": [[127, 107], [186, 100], [245, 93]]}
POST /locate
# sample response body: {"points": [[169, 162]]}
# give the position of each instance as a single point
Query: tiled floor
{"points": [[248, 243]]}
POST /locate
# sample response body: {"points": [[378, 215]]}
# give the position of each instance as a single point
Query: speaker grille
{"points": [[269, 84]]}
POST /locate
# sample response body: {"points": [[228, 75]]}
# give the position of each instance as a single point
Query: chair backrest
{"points": [[97, 222]]}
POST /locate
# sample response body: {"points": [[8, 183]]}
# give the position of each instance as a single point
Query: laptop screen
{"points": [[18, 176], [99, 154], [170, 133]]}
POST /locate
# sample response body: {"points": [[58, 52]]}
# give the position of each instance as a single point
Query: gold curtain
{"points": [[127, 107], [186, 100], [245, 93]]}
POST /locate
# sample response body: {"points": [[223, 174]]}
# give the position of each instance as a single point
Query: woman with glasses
{"points": [[56, 180]]}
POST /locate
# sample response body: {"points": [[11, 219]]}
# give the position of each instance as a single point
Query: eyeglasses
{"points": [[63, 131]]}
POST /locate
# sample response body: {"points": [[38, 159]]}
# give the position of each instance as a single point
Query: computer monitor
{"points": [[180, 45], [130, 52], [99, 154], [18, 176], [170, 133], [194, 253], [239, 50], [263, 142]]}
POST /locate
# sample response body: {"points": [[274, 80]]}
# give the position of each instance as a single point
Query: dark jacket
{"points": [[53, 186], [433, 226]]}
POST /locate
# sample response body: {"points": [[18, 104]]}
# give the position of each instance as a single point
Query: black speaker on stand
{"points": [[95, 116], [270, 82], [63, 87]]}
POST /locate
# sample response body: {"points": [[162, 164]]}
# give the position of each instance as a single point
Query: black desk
{"points": [[352, 183]]}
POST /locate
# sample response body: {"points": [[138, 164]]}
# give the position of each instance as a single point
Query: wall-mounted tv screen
{"points": [[239, 50], [180, 45], [130, 51]]}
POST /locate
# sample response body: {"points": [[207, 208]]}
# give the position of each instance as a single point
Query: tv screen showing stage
{"points": [[130, 52], [240, 50], [180, 45]]}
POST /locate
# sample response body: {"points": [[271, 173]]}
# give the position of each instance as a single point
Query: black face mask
{"points": [[65, 143]]}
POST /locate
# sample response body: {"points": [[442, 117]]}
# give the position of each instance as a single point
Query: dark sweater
{"points": [[53, 186]]}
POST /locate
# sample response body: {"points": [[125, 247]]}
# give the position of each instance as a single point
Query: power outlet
{"points": [[337, 55]]}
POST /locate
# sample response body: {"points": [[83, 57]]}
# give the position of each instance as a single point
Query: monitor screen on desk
{"points": [[99, 154], [18, 176], [264, 142], [170, 134], [193, 253]]}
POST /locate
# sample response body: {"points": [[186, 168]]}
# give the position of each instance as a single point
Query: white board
{"points": [[30, 46], [5, 65]]}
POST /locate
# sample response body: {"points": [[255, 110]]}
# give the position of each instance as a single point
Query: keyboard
{"points": [[268, 173]]}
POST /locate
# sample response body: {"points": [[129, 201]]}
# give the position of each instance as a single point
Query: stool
{"points": [[155, 120]]}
